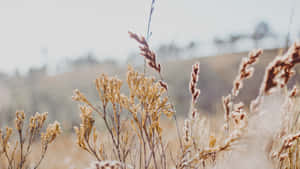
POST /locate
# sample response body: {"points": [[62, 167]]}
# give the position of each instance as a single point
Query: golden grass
{"points": [[148, 99], [16, 145], [142, 130]]}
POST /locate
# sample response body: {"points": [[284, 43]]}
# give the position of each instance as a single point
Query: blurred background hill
{"points": [[38, 91]]}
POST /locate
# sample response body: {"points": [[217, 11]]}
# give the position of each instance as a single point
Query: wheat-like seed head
{"points": [[281, 70], [193, 83], [187, 132], [246, 71], [149, 55], [195, 92]]}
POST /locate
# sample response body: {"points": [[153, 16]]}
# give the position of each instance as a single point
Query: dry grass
{"points": [[148, 99], [16, 145], [140, 128]]}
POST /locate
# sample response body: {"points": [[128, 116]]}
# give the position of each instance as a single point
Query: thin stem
{"points": [[290, 24], [42, 156], [148, 33], [111, 133], [21, 147], [174, 116], [8, 159], [107, 126], [92, 150]]}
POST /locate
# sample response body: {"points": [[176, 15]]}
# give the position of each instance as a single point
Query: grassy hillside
{"points": [[53, 93]]}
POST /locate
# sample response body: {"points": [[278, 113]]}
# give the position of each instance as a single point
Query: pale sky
{"points": [[74, 27]]}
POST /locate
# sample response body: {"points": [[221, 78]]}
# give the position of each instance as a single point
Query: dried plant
{"points": [[245, 71], [195, 93], [284, 147], [17, 151], [281, 70], [144, 146], [146, 102], [109, 94], [150, 56], [205, 154]]}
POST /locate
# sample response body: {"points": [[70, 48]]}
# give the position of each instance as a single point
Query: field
{"points": [[201, 113]]}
